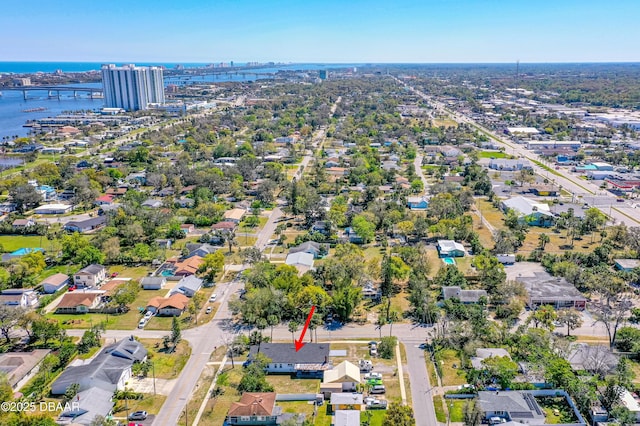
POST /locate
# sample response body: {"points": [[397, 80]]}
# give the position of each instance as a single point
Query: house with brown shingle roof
{"points": [[173, 305], [188, 266], [79, 302], [257, 408]]}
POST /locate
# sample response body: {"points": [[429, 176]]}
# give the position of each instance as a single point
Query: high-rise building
{"points": [[132, 88]]}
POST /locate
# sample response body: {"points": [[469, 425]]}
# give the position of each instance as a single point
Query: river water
{"points": [[15, 110]]}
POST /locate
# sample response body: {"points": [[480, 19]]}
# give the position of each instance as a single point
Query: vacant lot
{"points": [[449, 363], [168, 365]]}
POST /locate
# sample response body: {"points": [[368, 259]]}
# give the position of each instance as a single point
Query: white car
{"points": [[148, 315], [373, 376], [213, 297]]}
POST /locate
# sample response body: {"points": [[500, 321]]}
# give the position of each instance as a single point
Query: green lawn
{"points": [[287, 384], [441, 416], [167, 365], [149, 403], [11, 243], [492, 154], [451, 376]]}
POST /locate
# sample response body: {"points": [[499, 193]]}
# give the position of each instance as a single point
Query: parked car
{"points": [[138, 415], [366, 365], [142, 323], [148, 315], [113, 275], [377, 389], [208, 311], [213, 297], [373, 376]]}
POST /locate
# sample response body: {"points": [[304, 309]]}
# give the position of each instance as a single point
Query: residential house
{"points": [[163, 243], [23, 223], [53, 209], [227, 226], [109, 370], [185, 202], [346, 374], [521, 406], [449, 248], [19, 297], [346, 418], [188, 228], [311, 247], [631, 402], [139, 178], [302, 261], [187, 286], [54, 283], [543, 289], [352, 236], [332, 162], [596, 359], [506, 259], [530, 211], [486, 353], [173, 305], [188, 266], [117, 192], [234, 215], [79, 302], [90, 402], [390, 165], [200, 249], [152, 203], [369, 291], [337, 172], [626, 265], [90, 276], [105, 200], [310, 361], [254, 409], [21, 366], [322, 227], [346, 401], [464, 296], [86, 225], [417, 203], [153, 283]]}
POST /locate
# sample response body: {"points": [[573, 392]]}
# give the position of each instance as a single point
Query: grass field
{"points": [[451, 376], [167, 365], [558, 242], [494, 216], [149, 403], [12, 243], [486, 238], [492, 154]]}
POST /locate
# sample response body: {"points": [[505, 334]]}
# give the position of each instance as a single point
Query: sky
{"points": [[331, 31]]}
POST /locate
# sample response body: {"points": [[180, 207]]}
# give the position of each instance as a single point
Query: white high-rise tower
{"points": [[132, 88]]}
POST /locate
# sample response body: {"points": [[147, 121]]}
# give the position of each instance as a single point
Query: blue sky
{"points": [[320, 31]]}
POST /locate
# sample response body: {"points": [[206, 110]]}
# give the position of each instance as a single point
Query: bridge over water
{"points": [[54, 91]]}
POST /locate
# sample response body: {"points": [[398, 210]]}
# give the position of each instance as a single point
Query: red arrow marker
{"points": [[299, 342]]}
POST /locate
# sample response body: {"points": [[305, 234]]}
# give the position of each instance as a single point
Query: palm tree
{"points": [[543, 239], [273, 320]]}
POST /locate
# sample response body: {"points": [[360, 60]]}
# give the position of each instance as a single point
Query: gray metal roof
{"points": [[285, 353]]}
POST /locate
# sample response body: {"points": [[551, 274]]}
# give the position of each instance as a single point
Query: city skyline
{"points": [[467, 31]]}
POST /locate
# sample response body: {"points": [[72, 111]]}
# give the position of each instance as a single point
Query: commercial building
{"points": [[132, 88]]}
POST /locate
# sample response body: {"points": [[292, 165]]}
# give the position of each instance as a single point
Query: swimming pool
{"points": [[23, 251], [448, 261], [166, 273]]}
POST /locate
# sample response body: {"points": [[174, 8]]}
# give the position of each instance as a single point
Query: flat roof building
{"points": [[132, 88]]}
